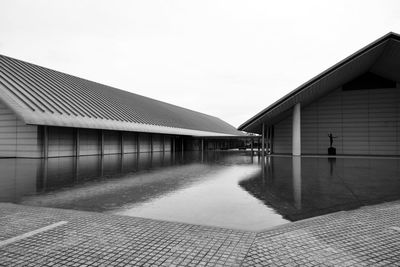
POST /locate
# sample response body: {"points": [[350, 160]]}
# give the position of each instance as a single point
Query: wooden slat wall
{"points": [[16, 138], [367, 122]]}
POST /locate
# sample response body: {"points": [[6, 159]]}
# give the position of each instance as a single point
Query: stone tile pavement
{"points": [[369, 236]]}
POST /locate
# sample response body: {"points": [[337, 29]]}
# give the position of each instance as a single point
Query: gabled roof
{"points": [[42, 96], [381, 57]]}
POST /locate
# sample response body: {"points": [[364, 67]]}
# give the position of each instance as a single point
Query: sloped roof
{"points": [[381, 57], [42, 96]]}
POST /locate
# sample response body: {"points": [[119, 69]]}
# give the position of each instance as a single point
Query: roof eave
{"points": [[386, 37]]}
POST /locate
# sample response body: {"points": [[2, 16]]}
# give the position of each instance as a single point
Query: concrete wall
{"points": [[16, 138], [282, 142], [367, 122]]}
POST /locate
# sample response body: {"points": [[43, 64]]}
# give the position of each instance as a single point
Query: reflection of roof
{"points": [[41, 96], [381, 57]]}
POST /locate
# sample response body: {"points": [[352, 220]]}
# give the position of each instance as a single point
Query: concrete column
{"points": [[182, 145], [163, 144], [102, 142], [77, 143], [263, 140], [202, 144], [296, 130], [121, 140], [45, 142]]}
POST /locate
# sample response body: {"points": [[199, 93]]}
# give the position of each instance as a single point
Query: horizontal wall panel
{"points": [[365, 121], [16, 138], [282, 143]]}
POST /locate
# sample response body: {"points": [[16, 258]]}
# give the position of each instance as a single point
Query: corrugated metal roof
{"points": [[381, 57], [42, 96]]}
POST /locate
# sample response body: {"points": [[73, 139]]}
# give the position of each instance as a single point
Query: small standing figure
{"points": [[331, 137]]}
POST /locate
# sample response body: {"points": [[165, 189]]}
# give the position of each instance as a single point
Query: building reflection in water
{"points": [[296, 174], [292, 187], [27, 180], [23, 176], [304, 187]]}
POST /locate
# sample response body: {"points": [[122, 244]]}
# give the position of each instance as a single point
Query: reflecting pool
{"points": [[228, 189]]}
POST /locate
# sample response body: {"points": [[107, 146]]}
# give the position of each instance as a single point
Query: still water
{"points": [[227, 189]]}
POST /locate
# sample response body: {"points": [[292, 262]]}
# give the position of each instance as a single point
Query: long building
{"points": [[46, 113], [357, 101]]}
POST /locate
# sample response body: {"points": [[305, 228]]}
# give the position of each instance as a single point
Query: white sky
{"points": [[229, 59]]}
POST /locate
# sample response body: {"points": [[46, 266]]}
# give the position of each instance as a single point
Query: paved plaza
{"points": [[36, 236]]}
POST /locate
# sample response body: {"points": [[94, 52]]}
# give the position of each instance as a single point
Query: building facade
{"points": [[46, 113], [357, 102]]}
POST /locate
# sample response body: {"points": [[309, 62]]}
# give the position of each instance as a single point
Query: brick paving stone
{"points": [[362, 237], [369, 236], [95, 239]]}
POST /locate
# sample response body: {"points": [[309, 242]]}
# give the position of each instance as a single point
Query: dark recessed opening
{"points": [[369, 81]]}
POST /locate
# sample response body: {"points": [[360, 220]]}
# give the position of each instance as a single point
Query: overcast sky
{"points": [[229, 59]]}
